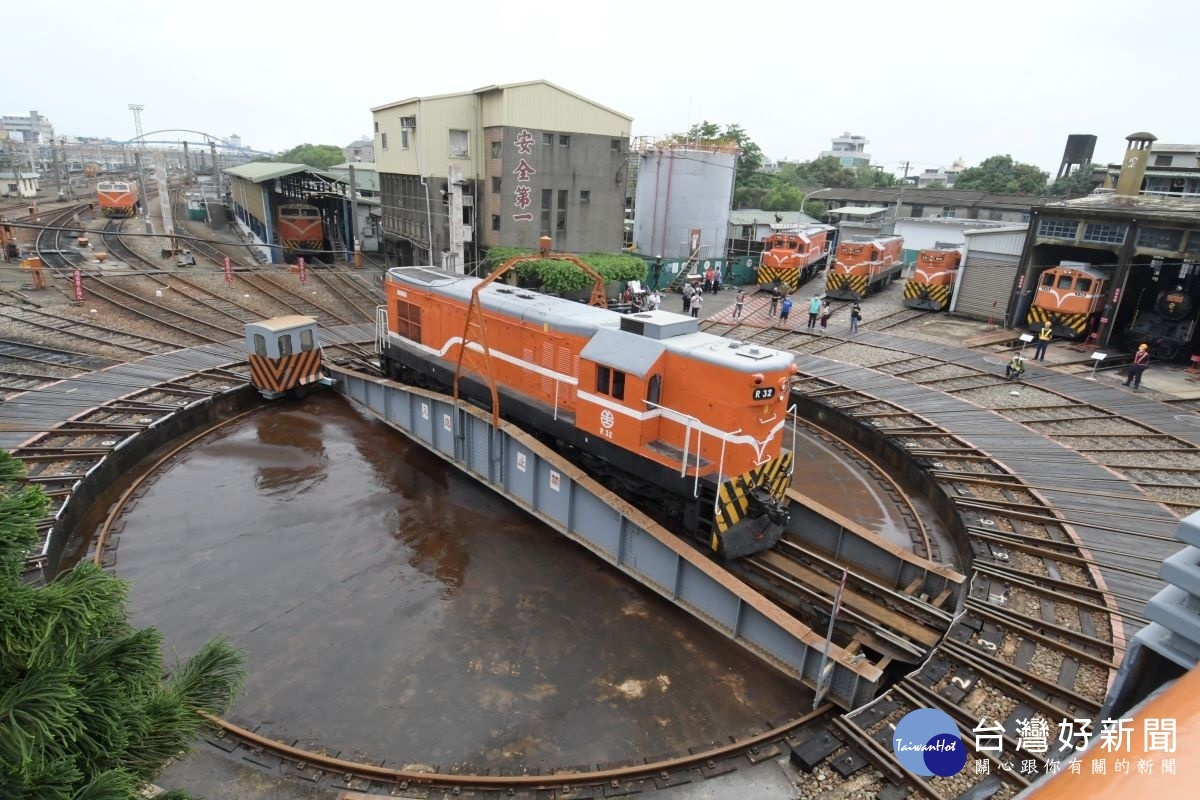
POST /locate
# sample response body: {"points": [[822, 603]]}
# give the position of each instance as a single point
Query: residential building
{"points": [[499, 166], [1173, 171], [850, 150], [946, 176], [360, 150], [33, 128]]}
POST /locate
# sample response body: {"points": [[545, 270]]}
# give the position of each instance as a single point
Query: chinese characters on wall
{"points": [[523, 194]]}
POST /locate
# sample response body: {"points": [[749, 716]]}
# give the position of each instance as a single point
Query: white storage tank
{"points": [[684, 192]]}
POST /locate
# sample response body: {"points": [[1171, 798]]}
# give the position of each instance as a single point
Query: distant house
{"points": [[18, 184], [360, 150]]}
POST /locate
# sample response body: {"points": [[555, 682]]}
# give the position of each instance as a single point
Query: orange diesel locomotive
{"points": [[687, 424], [792, 257], [933, 280], [864, 264], [1070, 296], [299, 226], [117, 198]]}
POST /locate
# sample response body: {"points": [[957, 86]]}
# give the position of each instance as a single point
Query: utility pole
{"points": [[212, 148]]}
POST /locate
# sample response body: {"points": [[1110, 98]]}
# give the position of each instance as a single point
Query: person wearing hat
{"points": [[1043, 340], [1015, 367], [1141, 359]]}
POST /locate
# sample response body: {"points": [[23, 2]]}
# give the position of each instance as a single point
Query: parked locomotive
{"points": [[686, 424], [117, 198], [933, 280], [300, 227], [792, 257], [1168, 326], [1071, 296], [864, 264]]}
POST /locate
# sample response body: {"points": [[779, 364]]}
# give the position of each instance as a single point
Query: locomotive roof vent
{"points": [[659, 324], [503, 290], [525, 295]]}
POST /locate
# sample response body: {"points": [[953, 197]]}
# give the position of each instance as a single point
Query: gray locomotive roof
{"points": [[580, 319], [625, 351]]}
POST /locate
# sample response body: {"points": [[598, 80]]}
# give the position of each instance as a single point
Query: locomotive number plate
{"points": [[764, 393]]}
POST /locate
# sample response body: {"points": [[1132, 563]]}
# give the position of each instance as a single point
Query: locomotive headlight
{"points": [[757, 379]]}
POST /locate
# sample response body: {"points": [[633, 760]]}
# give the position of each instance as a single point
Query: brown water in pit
{"points": [[392, 608]]}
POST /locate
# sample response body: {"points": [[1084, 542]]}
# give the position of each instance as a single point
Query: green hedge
{"points": [[563, 277]]}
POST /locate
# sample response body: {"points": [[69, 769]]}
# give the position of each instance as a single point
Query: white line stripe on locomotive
{"points": [[732, 438]]}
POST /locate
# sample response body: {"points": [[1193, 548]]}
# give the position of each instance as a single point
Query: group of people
{"points": [[1016, 365]]}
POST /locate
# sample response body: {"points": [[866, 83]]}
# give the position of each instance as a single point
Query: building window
{"points": [[403, 138], [585, 196], [995, 215], [458, 144], [1162, 161], [948, 212], [564, 140], [548, 139], [547, 197], [496, 184], [1160, 239], [916, 210], [383, 139], [616, 145], [495, 222], [561, 223], [496, 149], [1025, 216], [1104, 233], [377, 126], [1058, 229]]}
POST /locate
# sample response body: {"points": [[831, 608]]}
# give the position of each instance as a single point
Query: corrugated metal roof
{"points": [[1006, 229], [858, 211], [945, 197], [1162, 207], [260, 171], [756, 216]]}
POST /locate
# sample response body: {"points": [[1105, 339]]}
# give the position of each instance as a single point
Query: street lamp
{"points": [[804, 199]]}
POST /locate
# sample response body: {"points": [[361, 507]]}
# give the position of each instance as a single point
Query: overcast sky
{"points": [[924, 81]]}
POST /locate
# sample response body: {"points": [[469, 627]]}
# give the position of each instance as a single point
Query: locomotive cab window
{"points": [[260, 345], [1083, 285], [610, 382], [1048, 279], [1064, 281], [306, 341], [285, 344]]}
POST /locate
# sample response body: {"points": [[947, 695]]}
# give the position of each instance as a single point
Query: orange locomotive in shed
{"points": [[933, 280], [792, 257], [1069, 296], [863, 265], [117, 198], [300, 227], [687, 424]]}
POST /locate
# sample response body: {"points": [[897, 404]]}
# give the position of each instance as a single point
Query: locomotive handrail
{"points": [[475, 319]]}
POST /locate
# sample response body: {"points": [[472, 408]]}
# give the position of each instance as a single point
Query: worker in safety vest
{"points": [[1015, 368], [1043, 340]]}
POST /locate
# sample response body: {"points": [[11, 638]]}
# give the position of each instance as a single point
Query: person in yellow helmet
{"points": [[1043, 341], [1141, 359]]}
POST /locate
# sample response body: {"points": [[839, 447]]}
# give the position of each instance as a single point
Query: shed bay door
{"points": [[987, 280]]}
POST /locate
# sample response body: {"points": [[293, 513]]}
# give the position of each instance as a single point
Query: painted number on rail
{"points": [[555, 481], [521, 462], [764, 392], [447, 423], [425, 411]]}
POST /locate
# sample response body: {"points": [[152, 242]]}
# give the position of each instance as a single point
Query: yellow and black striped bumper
{"points": [[1065, 325], [276, 376], [301, 244], [846, 287], [928, 296], [788, 275], [752, 509]]}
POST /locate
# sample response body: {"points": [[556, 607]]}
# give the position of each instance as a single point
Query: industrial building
{"points": [[499, 166], [1148, 246], [949, 203], [257, 192]]}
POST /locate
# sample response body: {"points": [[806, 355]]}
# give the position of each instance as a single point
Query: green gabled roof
{"points": [[259, 171]]}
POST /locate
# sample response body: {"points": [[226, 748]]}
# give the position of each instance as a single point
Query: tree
{"points": [[868, 177], [84, 711], [750, 156], [934, 185], [1002, 174], [320, 156], [1081, 181], [783, 198]]}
